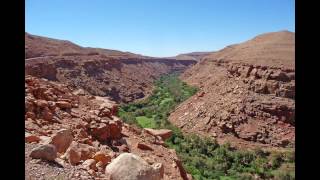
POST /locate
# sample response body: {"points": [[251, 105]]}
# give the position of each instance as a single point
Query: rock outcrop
{"points": [[246, 93]]}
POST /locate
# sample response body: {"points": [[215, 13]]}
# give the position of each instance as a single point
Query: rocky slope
{"points": [[246, 93], [122, 76], [72, 135]]}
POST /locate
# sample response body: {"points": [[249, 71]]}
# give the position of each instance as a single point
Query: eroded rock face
{"points": [[105, 76], [128, 166], [246, 94], [265, 80]]}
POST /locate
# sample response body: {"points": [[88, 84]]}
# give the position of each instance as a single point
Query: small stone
{"points": [[73, 157], [32, 138], [30, 115], [90, 164], [41, 103], [144, 146], [92, 172], [64, 104], [61, 162], [102, 157]]}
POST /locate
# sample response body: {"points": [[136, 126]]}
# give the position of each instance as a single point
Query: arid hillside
{"points": [[246, 93], [269, 49], [38, 46], [122, 76]]}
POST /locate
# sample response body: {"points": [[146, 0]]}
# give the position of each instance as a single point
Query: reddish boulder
{"points": [[105, 131], [115, 129], [100, 131], [163, 133]]}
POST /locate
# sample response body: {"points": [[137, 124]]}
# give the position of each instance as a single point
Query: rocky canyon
{"points": [[245, 96]]}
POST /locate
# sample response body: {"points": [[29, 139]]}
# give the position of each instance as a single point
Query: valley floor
{"points": [[203, 157]]}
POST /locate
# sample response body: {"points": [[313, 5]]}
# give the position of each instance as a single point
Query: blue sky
{"points": [[158, 28]]}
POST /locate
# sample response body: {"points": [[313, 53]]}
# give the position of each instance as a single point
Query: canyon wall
{"points": [[246, 94]]}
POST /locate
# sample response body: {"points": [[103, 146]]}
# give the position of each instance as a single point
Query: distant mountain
{"points": [[191, 56]]}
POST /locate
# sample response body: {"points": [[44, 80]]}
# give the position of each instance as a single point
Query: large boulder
{"points": [[163, 133], [62, 140], [128, 166], [45, 152], [115, 129], [104, 131]]}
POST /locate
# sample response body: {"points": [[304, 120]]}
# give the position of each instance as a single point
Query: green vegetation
{"points": [[153, 112], [204, 158], [146, 122]]}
